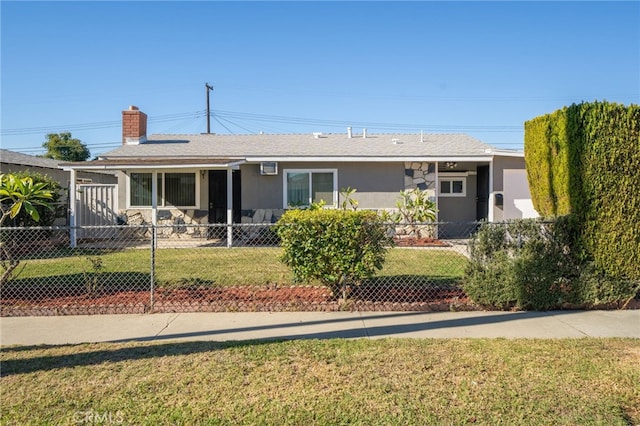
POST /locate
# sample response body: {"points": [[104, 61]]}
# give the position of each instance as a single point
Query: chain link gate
{"points": [[193, 268]]}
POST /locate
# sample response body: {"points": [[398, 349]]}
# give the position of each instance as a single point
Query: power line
{"points": [[368, 124], [95, 125], [222, 124], [218, 118]]}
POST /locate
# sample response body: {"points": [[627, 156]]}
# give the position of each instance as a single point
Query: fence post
{"points": [[152, 273]]}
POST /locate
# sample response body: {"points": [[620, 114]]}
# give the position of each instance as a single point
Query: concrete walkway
{"points": [[316, 325]]}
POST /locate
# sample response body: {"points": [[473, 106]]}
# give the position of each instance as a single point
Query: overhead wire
{"points": [[241, 120], [222, 124], [218, 118], [94, 125], [371, 125]]}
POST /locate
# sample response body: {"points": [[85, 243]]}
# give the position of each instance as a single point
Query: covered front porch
{"points": [[158, 192]]}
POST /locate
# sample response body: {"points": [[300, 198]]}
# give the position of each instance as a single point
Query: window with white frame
{"points": [[177, 189], [453, 186], [303, 187]]}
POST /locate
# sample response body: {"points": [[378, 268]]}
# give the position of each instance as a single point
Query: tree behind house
{"points": [[63, 147]]}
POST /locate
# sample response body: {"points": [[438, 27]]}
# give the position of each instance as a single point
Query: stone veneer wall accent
{"points": [[421, 175]]}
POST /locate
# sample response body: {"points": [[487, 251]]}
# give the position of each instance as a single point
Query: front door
{"points": [[482, 195], [218, 200], [217, 196]]}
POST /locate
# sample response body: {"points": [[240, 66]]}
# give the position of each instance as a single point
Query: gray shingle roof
{"points": [[280, 146], [12, 157]]}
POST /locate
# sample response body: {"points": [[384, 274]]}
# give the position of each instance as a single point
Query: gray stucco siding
{"points": [[258, 191], [502, 163], [459, 209], [377, 184]]}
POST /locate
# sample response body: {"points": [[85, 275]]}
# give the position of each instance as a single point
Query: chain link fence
{"points": [[209, 268]]}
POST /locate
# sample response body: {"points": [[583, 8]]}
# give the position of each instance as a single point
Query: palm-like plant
{"points": [[17, 194], [414, 209]]}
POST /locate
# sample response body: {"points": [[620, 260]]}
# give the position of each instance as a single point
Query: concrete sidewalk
{"points": [[316, 325]]}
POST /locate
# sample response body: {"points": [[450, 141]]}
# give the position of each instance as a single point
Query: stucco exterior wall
{"points": [[517, 198], [377, 184], [258, 191], [499, 165], [459, 209]]}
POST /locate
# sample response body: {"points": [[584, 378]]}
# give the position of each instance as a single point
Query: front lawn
{"points": [[389, 381], [225, 267]]}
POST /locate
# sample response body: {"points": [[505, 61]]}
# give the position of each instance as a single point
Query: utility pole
{"points": [[208, 89]]}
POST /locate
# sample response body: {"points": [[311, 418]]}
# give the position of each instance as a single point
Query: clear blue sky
{"points": [[481, 68]]}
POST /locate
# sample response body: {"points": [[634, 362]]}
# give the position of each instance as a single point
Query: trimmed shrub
{"points": [[336, 247], [523, 264], [530, 264], [584, 160]]}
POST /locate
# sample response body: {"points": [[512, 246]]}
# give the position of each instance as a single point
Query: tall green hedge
{"points": [[584, 160]]}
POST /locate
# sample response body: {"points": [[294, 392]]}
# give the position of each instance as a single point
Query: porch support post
{"points": [[437, 200], [73, 204], [437, 191], [154, 198], [154, 210], [229, 207]]}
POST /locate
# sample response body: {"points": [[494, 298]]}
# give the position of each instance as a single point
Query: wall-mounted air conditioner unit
{"points": [[269, 168]]}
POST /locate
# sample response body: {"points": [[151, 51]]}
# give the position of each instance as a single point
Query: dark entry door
{"points": [[482, 198], [218, 200], [217, 196]]}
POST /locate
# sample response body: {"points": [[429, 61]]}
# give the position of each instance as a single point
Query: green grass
{"points": [[226, 267], [366, 382]]}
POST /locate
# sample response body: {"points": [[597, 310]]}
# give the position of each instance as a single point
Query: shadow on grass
{"points": [[39, 289], [46, 363], [46, 250], [295, 330]]}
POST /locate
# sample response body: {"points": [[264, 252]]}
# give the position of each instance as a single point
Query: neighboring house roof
{"points": [[19, 159], [12, 157]]}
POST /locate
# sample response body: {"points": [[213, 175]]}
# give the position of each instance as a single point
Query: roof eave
{"points": [[150, 164], [365, 159]]}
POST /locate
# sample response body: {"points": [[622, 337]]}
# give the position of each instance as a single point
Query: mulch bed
{"points": [[419, 242], [238, 299], [245, 299]]}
